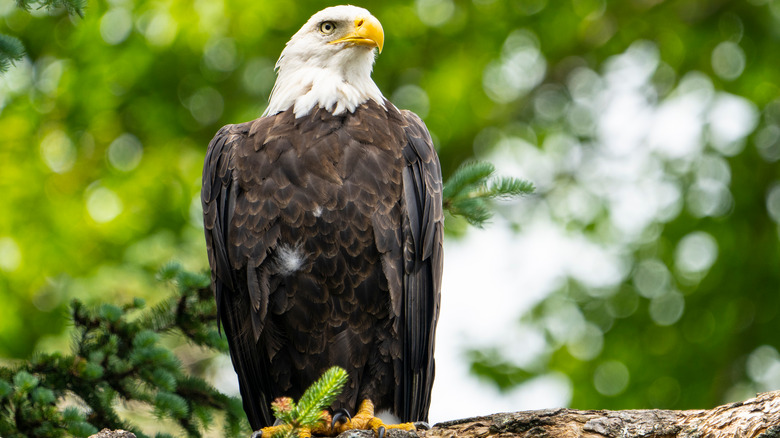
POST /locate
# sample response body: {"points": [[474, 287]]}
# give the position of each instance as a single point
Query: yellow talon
{"points": [[365, 420]]}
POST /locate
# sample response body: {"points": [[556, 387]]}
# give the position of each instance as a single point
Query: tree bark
{"points": [[758, 417]]}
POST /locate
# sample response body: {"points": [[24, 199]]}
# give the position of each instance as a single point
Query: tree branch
{"points": [[758, 417]]}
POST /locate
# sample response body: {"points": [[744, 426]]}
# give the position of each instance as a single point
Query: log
{"points": [[758, 417]]}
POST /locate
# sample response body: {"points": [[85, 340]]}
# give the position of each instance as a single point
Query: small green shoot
{"points": [[307, 413]]}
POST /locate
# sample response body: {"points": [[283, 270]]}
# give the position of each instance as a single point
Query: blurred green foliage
{"points": [[118, 359], [105, 123]]}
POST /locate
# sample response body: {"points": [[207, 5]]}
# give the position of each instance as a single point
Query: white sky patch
{"points": [[676, 127], [731, 119], [491, 277], [696, 252]]}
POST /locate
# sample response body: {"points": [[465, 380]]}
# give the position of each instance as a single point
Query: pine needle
{"points": [[11, 50], [470, 190], [307, 413]]}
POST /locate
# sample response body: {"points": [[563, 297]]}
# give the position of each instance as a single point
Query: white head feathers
{"points": [[328, 63]]}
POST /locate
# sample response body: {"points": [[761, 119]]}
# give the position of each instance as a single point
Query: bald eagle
{"points": [[323, 222]]}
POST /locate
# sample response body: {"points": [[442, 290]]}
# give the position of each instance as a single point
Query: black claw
{"points": [[381, 432], [257, 434], [338, 416], [421, 425]]}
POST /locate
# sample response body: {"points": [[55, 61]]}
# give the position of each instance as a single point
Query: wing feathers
{"points": [[242, 321], [423, 268]]}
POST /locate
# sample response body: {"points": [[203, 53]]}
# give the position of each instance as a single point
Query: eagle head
{"points": [[328, 63]]}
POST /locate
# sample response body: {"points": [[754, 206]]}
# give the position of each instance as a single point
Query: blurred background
{"points": [[643, 273]]}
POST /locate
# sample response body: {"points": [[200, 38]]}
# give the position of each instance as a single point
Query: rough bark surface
{"points": [[758, 417]]}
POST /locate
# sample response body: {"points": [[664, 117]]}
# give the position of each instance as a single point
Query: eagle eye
{"points": [[327, 27]]}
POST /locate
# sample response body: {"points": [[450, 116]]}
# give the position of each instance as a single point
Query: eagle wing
{"points": [[422, 229], [219, 197]]}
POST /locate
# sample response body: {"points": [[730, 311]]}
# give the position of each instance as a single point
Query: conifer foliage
{"points": [[12, 48], [117, 356], [470, 190], [73, 7], [307, 413]]}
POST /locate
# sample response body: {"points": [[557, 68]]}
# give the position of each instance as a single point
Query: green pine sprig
{"points": [[307, 413], [471, 189]]}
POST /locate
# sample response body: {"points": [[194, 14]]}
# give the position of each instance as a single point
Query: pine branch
{"points": [[471, 189], [74, 7], [11, 50], [117, 356], [307, 413]]}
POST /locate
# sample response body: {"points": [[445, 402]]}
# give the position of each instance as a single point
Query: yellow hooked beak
{"points": [[368, 32]]}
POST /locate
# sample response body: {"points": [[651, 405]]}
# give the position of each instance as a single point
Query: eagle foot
{"points": [[365, 420], [268, 432], [340, 416]]}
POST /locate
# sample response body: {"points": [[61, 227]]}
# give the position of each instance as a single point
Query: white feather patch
{"points": [[289, 259]]}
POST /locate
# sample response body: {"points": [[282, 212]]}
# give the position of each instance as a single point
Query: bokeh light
{"points": [[611, 378], [125, 152], [103, 205]]}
